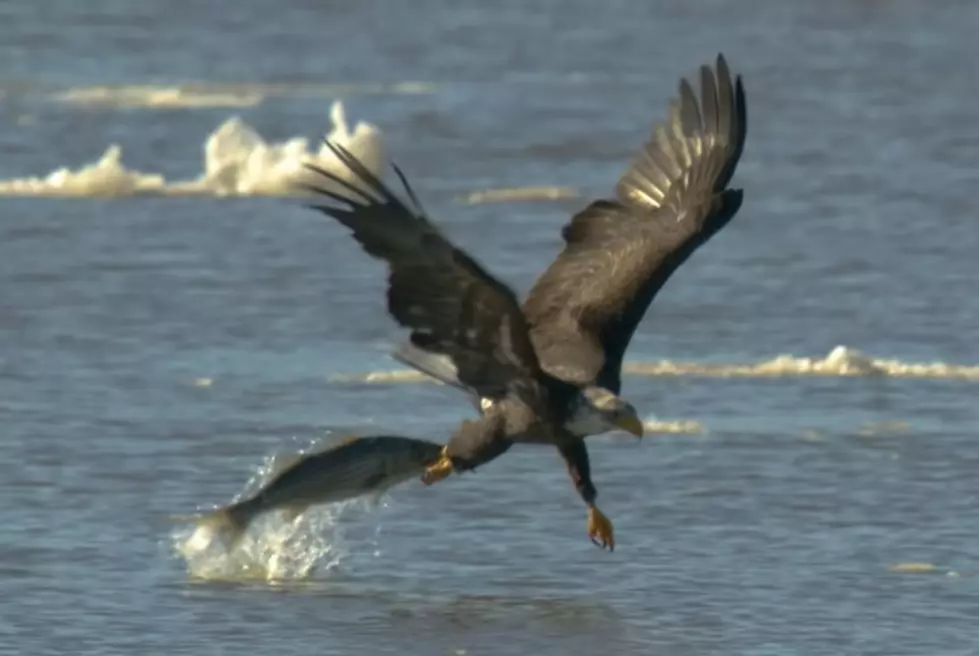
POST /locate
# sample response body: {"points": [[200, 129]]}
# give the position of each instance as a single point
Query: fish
{"points": [[354, 467]]}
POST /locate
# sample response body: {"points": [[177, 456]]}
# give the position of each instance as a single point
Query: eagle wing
{"points": [[619, 253], [452, 306]]}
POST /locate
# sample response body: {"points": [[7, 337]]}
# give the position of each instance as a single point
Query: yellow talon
{"points": [[600, 529], [439, 470]]}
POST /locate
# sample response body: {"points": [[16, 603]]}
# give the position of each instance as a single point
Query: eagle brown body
{"points": [[549, 370]]}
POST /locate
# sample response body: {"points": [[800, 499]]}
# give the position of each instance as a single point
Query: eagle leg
{"points": [[599, 526], [474, 444], [600, 529], [438, 470]]}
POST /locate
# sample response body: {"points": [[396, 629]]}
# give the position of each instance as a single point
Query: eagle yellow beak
{"points": [[630, 424]]}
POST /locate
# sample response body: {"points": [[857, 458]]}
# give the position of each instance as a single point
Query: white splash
{"points": [[840, 362], [272, 549], [237, 162]]}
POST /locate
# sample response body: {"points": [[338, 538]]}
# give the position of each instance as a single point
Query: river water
{"points": [[168, 323]]}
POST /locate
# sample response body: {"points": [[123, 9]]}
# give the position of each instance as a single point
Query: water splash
{"points": [[272, 548], [840, 362], [237, 162]]}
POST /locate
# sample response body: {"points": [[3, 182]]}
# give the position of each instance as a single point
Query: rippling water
{"points": [[156, 351]]}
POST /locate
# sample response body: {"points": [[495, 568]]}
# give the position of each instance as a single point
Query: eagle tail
{"points": [[433, 365]]}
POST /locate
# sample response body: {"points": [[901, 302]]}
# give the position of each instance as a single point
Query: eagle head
{"points": [[598, 410]]}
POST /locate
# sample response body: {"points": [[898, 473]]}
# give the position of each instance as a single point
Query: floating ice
{"points": [[142, 95], [520, 194], [841, 361], [673, 427], [105, 177], [237, 162], [208, 94]]}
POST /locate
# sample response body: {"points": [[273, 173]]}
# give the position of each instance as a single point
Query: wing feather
{"points": [[451, 304], [619, 253]]}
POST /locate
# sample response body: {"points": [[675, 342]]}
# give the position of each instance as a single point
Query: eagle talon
{"points": [[600, 529], [438, 470]]}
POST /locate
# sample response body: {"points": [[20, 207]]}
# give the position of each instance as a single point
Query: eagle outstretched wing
{"points": [[451, 304], [619, 253]]}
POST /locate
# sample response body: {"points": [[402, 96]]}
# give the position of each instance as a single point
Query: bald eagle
{"points": [[549, 371]]}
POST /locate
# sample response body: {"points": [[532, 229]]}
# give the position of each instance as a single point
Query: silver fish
{"points": [[355, 467]]}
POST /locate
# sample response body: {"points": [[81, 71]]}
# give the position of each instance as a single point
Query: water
{"points": [[822, 503]]}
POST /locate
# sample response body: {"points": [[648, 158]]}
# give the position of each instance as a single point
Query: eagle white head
{"points": [[599, 410]]}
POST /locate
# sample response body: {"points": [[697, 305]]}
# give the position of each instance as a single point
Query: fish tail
{"points": [[230, 521]]}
